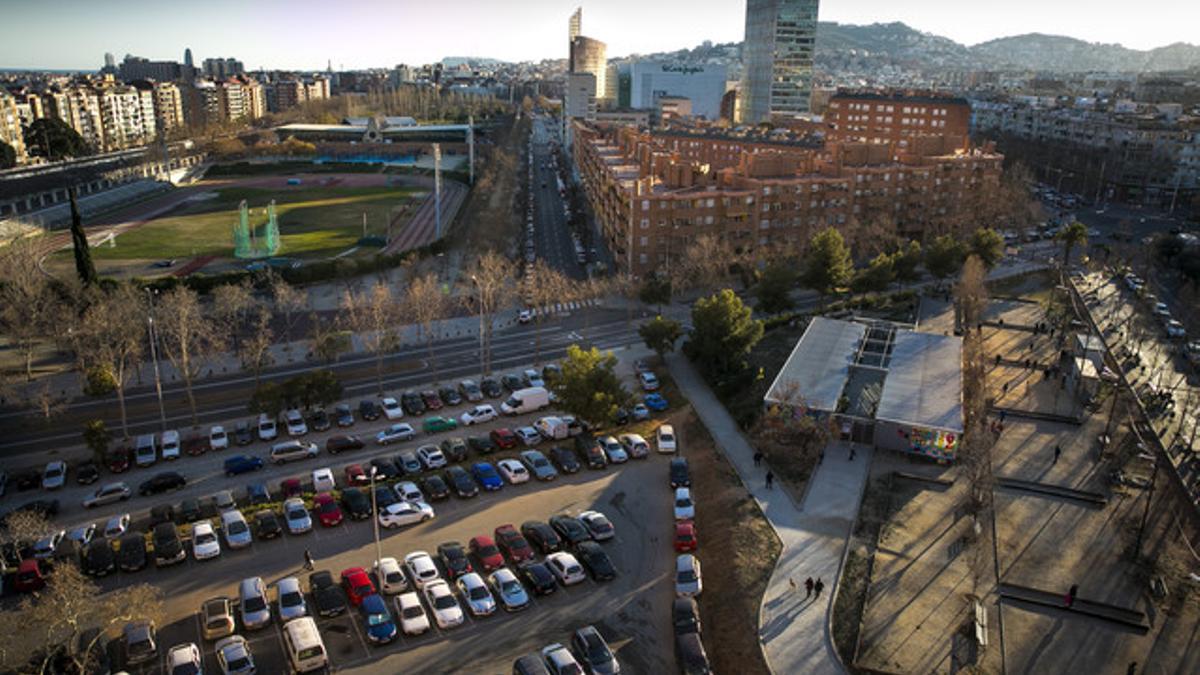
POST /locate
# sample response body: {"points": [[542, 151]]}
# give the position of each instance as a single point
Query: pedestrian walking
{"points": [[792, 583], [308, 560], [1003, 416], [808, 587], [1057, 452], [818, 587], [758, 458], [770, 480], [852, 453], [1071, 594], [1132, 669], [820, 456]]}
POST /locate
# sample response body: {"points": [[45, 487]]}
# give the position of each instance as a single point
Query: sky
{"points": [[306, 34]]}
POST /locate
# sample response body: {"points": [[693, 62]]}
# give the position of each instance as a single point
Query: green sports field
{"points": [[313, 222]]}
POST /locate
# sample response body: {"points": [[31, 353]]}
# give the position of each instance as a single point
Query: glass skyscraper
{"points": [[778, 58]]}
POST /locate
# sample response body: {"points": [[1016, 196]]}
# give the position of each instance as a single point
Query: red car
{"points": [[196, 445], [431, 399], [513, 543], [327, 509], [357, 584], [685, 536], [119, 459], [356, 476], [29, 577], [504, 438], [290, 487], [487, 553]]}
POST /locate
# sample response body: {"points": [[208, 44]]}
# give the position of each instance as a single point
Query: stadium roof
{"points": [[816, 372], [924, 382]]}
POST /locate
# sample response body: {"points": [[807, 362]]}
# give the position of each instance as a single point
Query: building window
{"points": [[644, 241], [645, 204], [711, 203], [708, 220], [643, 258], [764, 224], [645, 223]]}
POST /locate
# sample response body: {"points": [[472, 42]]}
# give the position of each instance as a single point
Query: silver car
{"points": [[289, 599], [237, 530], [613, 449], [298, 519], [252, 602], [479, 599], [538, 465]]}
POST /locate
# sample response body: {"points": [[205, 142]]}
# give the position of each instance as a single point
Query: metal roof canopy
{"points": [[819, 365], [924, 382]]}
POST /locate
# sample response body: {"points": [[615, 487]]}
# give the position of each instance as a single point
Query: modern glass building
{"points": [[778, 58], [588, 56]]}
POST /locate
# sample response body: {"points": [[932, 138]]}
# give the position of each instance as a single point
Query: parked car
{"points": [[614, 452], [233, 656], [446, 610], [405, 513], [267, 430], [55, 475], [514, 545], [541, 535], [368, 410], [357, 585], [412, 403], [431, 456], [216, 618], [289, 599], [486, 552], [391, 408], [450, 396], [139, 642], [458, 478], [380, 627], [598, 525], [685, 509], [239, 464], [328, 597], [391, 577], [407, 461], [160, 483], [413, 619], [512, 382], [243, 434], [565, 459], [483, 445], [395, 434], [680, 476], [168, 548], [685, 536], [435, 488], [485, 474], [343, 416], [483, 412], [236, 529], [491, 388], [266, 524], [569, 529], [655, 402], [513, 471], [327, 510], [296, 515], [409, 492], [538, 577], [356, 503], [596, 561], [640, 412], [455, 449], [318, 420], [508, 589], [291, 451], [108, 494], [685, 616], [145, 449], [476, 594], [648, 380], [470, 391], [338, 443], [205, 545], [431, 400], [688, 582], [170, 447], [420, 568], [635, 446], [566, 568], [665, 438], [528, 435], [98, 558], [591, 649], [538, 465], [116, 526], [384, 469]]}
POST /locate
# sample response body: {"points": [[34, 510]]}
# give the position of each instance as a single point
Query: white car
{"points": [[566, 568], [409, 492], [421, 569], [395, 434], [534, 378], [205, 544], [234, 657], [476, 594], [528, 435], [46, 546], [295, 423], [217, 438], [513, 471], [613, 450], [559, 660], [116, 526], [685, 509], [391, 577], [687, 576], [110, 493], [446, 610], [431, 456], [266, 428], [323, 480], [55, 475], [478, 415], [413, 619], [170, 444], [635, 445], [648, 380], [289, 599], [391, 408], [524, 316], [664, 437], [598, 525], [83, 534], [405, 513], [184, 658], [296, 516]]}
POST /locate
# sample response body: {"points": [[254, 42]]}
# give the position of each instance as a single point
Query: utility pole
{"points": [[437, 188], [375, 517], [162, 412], [471, 147], [479, 301]]}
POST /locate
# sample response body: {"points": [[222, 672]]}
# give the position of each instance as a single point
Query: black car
{"points": [[368, 410], [455, 449], [327, 594], [160, 483], [343, 443], [471, 391], [454, 559], [685, 614], [512, 382], [680, 476], [99, 559], [565, 459], [450, 396], [690, 655], [163, 513], [621, 417], [490, 387], [132, 556], [266, 524], [542, 536], [357, 503], [385, 469], [483, 445], [87, 473], [243, 434], [384, 497], [591, 649], [412, 403], [593, 454], [343, 415], [435, 488], [464, 486], [168, 548], [538, 577], [570, 529], [319, 421], [593, 557], [189, 511], [27, 480]]}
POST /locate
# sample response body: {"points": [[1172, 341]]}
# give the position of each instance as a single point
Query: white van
{"points": [[170, 444], [552, 428], [526, 400], [302, 642]]}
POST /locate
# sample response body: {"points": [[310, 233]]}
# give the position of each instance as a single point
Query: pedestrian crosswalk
{"points": [[562, 307]]}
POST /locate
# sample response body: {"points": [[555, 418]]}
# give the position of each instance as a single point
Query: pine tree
{"points": [[83, 255]]}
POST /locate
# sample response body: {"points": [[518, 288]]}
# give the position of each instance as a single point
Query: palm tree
{"points": [[1073, 234]]}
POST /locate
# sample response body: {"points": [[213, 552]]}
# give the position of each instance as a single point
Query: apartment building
{"points": [[10, 125], [127, 117], [894, 116], [290, 92], [651, 197]]}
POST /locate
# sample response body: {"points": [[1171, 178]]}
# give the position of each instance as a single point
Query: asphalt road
{"points": [[553, 241], [223, 400]]}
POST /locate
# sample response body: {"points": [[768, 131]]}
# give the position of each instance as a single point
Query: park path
{"points": [[794, 630]]}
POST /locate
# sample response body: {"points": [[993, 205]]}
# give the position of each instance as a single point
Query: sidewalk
{"points": [[794, 631]]}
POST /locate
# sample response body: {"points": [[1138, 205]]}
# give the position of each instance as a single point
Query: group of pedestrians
{"points": [[758, 458], [812, 589]]}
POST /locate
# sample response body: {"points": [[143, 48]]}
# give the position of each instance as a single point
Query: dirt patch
{"points": [[491, 216], [737, 552]]}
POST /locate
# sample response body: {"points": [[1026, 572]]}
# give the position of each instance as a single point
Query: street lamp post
{"points": [[162, 413], [375, 517], [479, 301]]}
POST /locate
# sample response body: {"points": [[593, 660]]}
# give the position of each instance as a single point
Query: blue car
{"points": [[486, 475], [242, 464], [257, 493], [656, 402], [380, 627]]}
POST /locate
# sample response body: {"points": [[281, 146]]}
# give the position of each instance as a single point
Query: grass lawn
{"points": [[313, 222]]}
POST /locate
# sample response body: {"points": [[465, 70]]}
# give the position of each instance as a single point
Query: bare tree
{"points": [[29, 308], [70, 617], [188, 335], [232, 303], [22, 527], [490, 289], [970, 293], [288, 301], [112, 338], [703, 265], [255, 350], [372, 316], [544, 285], [428, 303], [329, 341]]}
